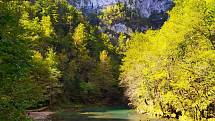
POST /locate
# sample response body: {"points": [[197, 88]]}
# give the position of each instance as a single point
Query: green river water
{"points": [[103, 114]]}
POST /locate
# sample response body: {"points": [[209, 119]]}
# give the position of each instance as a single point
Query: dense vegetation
{"points": [[170, 72], [50, 54]]}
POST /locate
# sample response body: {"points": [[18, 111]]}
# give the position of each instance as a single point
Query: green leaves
{"points": [[16, 87]]}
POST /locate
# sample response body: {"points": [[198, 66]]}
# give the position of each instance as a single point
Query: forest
{"points": [[52, 54]]}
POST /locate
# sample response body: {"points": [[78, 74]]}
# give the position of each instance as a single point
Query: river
{"points": [[103, 114]]}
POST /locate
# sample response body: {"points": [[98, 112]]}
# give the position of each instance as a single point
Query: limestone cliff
{"points": [[145, 7]]}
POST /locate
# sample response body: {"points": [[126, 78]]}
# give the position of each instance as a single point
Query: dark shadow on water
{"points": [[84, 117], [103, 114], [97, 114]]}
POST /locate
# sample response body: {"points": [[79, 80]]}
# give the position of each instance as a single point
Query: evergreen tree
{"points": [[16, 86]]}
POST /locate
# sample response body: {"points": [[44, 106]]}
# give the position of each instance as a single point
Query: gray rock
{"points": [[121, 28], [144, 7]]}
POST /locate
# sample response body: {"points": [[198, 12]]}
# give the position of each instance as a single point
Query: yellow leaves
{"points": [[46, 26], [213, 88], [211, 119], [37, 56], [185, 118], [50, 58], [209, 1], [112, 9], [69, 18], [182, 77], [79, 34], [174, 65], [160, 74], [104, 56], [35, 27], [27, 24], [169, 97], [111, 13]]}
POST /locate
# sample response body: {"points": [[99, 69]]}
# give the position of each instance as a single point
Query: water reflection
{"points": [[103, 115]]}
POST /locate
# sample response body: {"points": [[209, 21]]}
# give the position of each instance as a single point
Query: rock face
{"points": [[149, 14], [145, 7], [121, 28], [148, 7], [94, 4]]}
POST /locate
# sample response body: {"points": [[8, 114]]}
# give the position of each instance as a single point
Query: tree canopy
{"points": [[170, 72], [50, 54]]}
